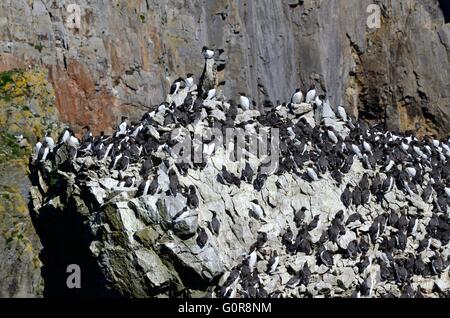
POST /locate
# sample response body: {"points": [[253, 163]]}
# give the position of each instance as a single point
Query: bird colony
{"points": [[351, 211]]}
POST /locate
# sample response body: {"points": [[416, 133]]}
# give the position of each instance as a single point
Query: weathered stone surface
{"points": [[26, 109], [125, 56]]}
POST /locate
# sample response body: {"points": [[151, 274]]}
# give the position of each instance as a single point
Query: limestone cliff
{"points": [[125, 54]]}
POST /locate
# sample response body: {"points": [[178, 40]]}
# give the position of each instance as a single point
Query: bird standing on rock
{"points": [[207, 53], [297, 98], [244, 101], [202, 238]]}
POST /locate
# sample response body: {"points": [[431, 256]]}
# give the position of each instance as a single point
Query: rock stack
{"points": [[348, 211]]}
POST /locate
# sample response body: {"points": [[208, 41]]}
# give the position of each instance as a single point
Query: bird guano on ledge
{"points": [[350, 211]]}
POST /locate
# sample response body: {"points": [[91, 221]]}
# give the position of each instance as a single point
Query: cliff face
{"points": [[26, 111], [125, 54]]}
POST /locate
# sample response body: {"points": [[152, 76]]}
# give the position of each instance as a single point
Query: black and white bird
{"points": [[122, 128], [215, 223], [312, 174], [244, 101], [252, 258], [256, 209], [143, 188], [207, 53], [331, 134], [43, 152], [273, 263], [211, 94], [310, 96], [189, 80], [202, 238], [297, 98], [326, 258], [175, 87], [87, 135], [37, 148], [192, 198], [49, 141], [342, 113], [64, 137]]}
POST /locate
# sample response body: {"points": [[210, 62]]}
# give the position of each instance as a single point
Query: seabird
{"points": [[207, 53], [73, 142], [256, 209], [388, 184], [143, 188], [342, 113], [310, 96], [346, 196], [65, 136], [202, 238], [332, 135], [314, 223], [192, 198], [87, 136], [312, 174], [43, 152], [367, 146], [273, 263], [299, 216], [287, 237], [215, 223], [127, 182], [389, 166], [175, 86], [356, 150], [411, 171], [325, 257], [189, 81], [244, 101], [297, 98], [247, 173], [49, 140], [211, 94], [252, 258], [37, 148], [122, 129], [173, 182]]}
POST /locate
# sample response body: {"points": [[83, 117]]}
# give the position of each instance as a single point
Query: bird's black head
{"points": [[188, 75], [124, 118], [205, 48], [87, 128]]}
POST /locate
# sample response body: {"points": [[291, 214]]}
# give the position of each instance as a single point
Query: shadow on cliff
{"points": [[445, 7], [65, 240]]}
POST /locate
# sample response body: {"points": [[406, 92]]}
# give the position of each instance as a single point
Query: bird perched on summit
{"points": [[207, 53]]}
